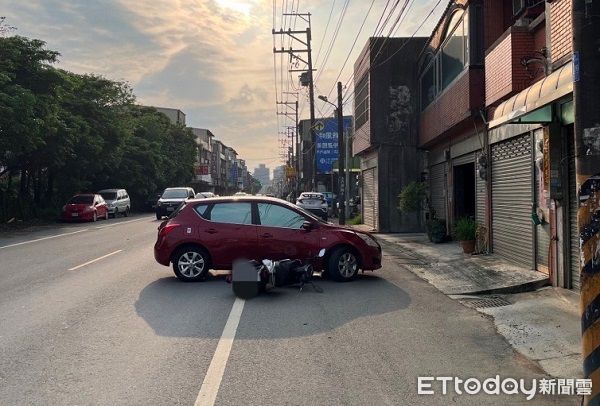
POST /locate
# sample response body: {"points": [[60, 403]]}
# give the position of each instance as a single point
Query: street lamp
{"points": [[341, 154]]}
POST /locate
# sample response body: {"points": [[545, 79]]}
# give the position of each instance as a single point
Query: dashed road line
{"points": [[212, 380], [43, 238], [94, 260], [123, 222]]}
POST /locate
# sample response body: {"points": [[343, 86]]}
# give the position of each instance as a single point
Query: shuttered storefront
{"points": [[370, 198], [512, 197], [575, 259], [437, 184], [480, 195]]}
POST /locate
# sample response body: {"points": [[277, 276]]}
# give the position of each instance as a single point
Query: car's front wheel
{"points": [[190, 264], [343, 265], [126, 214]]}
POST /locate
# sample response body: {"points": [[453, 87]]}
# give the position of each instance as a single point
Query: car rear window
{"points": [[79, 199], [312, 196]]}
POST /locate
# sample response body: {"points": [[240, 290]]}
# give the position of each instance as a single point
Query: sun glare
{"points": [[242, 7]]}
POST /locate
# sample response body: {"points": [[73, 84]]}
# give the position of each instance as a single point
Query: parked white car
{"points": [[313, 202], [117, 200]]}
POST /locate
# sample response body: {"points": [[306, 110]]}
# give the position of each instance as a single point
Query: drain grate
{"points": [[485, 302]]}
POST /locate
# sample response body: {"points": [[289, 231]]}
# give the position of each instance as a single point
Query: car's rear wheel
{"points": [[343, 265], [190, 264]]}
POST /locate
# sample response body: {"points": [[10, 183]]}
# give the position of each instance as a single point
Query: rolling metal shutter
{"points": [[463, 159], [573, 228], [370, 198], [437, 185], [512, 197], [480, 196]]}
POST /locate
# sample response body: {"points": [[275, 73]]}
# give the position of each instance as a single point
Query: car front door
{"points": [[228, 233], [281, 236]]}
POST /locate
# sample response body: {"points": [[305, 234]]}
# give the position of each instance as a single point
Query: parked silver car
{"points": [[117, 200]]}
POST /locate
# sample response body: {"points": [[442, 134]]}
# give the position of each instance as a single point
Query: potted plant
{"points": [[465, 231]]}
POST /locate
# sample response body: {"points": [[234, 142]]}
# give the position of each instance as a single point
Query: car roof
{"points": [[247, 198], [174, 188], [311, 193]]}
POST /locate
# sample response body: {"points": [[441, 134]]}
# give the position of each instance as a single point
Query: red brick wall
{"points": [[561, 32], [493, 15], [504, 74], [452, 107]]}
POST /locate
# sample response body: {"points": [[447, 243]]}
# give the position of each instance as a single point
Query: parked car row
{"points": [[94, 206]]}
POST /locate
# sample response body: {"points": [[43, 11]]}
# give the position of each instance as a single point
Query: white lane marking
{"points": [[212, 381], [94, 260], [123, 222], [43, 238]]}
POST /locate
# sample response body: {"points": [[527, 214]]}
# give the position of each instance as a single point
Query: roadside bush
{"points": [[354, 221]]}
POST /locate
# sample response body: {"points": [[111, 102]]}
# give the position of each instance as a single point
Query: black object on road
{"points": [[249, 278]]}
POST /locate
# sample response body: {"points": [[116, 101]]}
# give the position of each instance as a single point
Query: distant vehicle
{"points": [[211, 234], [204, 195], [241, 194], [85, 207], [171, 198], [118, 201], [313, 202]]}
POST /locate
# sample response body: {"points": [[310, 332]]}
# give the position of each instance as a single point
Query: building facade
{"points": [[263, 175], [385, 129], [202, 167], [494, 117], [175, 115]]}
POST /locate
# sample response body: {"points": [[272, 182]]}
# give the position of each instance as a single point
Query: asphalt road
{"points": [[124, 331]]}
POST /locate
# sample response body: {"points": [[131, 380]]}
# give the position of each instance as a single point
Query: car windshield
{"points": [[82, 199], [109, 195], [175, 194]]}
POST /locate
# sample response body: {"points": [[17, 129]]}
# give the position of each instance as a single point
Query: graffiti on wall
{"points": [[591, 141], [400, 108]]}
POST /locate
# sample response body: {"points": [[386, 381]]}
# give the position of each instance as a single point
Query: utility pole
{"points": [[586, 87], [307, 75], [342, 156]]}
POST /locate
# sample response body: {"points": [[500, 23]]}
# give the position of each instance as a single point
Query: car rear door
{"points": [[281, 236], [228, 233]]}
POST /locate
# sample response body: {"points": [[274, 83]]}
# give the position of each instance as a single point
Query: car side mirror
{"points": [[307, 225]]}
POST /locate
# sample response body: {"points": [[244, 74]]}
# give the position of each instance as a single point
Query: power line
{"points": [[332, 42], [325, 32]]}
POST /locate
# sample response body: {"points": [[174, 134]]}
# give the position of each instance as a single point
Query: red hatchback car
{"points": [[212, 233], [87, 207]]}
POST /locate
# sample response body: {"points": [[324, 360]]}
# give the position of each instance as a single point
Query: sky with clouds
{"points": [[213, 59]]}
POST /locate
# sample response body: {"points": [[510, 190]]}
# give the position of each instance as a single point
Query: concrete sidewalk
{"points": [[541, 323]]}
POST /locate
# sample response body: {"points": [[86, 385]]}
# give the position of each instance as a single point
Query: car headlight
{"points": [[368, 239]]}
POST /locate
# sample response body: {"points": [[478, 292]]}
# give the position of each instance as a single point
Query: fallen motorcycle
{"points": [[249, 278]]}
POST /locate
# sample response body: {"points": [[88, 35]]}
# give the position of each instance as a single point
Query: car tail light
{"points": [[166, 230]]}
